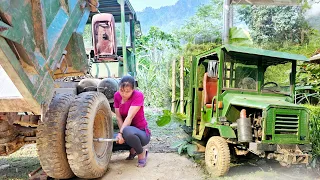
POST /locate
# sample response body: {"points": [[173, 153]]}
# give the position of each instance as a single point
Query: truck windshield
{"points": [[240, 75], [277, 79]]}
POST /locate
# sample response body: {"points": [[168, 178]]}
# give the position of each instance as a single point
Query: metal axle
{"points": [[105, 140]]}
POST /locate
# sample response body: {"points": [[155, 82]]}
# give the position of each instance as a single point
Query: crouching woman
{"points": [[129, 108]]}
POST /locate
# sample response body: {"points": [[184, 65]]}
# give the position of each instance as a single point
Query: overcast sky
{"points": [[139, 5]]}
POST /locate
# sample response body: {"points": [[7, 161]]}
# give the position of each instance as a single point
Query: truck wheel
{"points": [[51, 138], [217, 156], [89, 117]]}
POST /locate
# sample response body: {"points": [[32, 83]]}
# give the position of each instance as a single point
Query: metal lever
{"points": [[105, 140]]}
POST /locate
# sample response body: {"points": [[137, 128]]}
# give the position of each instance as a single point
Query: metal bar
{"points": [[293, 78], [123, 34], [287, 130], [226, 20], [30, 138], [105, 140], [288, 122], [285, 125], [283, 117]]}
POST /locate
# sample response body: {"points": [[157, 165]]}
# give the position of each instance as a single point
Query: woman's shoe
{"points": [[131, 156], [143, 162]]}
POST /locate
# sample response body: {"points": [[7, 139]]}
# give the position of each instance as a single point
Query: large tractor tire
{"points": [[89, 117], [51, 138], [217, 156]]}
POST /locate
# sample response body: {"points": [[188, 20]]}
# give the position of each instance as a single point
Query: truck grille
{"points": [[286, 124]]}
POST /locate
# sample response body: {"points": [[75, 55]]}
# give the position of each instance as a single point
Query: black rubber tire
{"points": [[217, 156], [89, 117], [51, 138]]}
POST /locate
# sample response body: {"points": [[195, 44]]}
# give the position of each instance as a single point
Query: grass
{"points": [[19, 164], [163, 137]]}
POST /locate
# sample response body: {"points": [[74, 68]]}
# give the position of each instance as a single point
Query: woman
{"points": [[128, 104]]}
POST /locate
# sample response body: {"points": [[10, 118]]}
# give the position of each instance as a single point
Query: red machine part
{"points": [[104, 37]]}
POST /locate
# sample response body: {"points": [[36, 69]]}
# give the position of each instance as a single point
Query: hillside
{"points": [[169, 17]]}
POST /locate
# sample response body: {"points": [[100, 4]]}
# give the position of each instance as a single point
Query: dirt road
{"points": [[162, 166]]}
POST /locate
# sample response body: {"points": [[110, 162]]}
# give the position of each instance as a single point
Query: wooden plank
{"points": [[173, 86], [181, 85]]}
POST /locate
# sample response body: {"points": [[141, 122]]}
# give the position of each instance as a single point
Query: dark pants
{"points": [[135, 138]]}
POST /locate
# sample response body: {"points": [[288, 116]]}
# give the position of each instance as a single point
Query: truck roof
{"points": [[113, 7], [315, 59], [250, 54]]}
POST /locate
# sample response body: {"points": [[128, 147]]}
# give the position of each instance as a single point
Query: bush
{"points": [[315, 129]]}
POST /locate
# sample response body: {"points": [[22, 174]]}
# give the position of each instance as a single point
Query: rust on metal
{"points": [[3, 28], [243, 113], [240, 152], [93, 5], [39, 25], [38, 174], [287, 157], [104, 40]]}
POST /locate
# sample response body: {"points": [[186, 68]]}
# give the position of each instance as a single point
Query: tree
{"points": [[276, 25], [204, 26], [155, 52]]}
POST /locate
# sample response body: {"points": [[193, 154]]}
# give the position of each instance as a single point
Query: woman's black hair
{"points": [[126, 81]]}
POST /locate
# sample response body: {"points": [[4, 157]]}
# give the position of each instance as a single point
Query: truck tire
{"points": [[51, 138], [217, 156], [89, 117]]}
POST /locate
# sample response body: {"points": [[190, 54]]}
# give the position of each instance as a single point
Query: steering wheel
{"points": [[265, 84]]}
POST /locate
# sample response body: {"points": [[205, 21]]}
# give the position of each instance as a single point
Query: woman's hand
{"points": [[120, 139]]}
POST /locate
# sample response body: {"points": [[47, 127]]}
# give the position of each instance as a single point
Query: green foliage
{"points": [[279, 74], [87, 36], [155, 51], [276, 24], [168, 117], [315, 129], [240, 37], [205, 26], [285, 29], [185, 146], [309, 74], [306, 97]]}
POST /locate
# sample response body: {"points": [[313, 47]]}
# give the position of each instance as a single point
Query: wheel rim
{"points": [[100, 131]]}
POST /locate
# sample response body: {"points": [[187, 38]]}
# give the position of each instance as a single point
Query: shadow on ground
{"points": [[261, 169]]}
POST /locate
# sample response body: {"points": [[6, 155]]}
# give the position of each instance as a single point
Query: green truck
{"points": [[239, 105], [53, 90]]}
